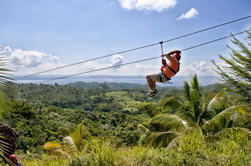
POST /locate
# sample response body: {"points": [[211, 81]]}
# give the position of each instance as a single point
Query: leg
{"points": [[151, 80], [151, 83]]}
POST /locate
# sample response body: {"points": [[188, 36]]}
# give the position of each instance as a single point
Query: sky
{"points": [[44, 34]]}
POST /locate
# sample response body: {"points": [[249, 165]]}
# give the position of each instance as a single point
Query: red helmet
{"points": [[13, 158], [177, 55]]}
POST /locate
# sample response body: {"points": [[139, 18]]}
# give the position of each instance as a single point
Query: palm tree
{"points": [[163, 128], [194, 108], [8, 136], [72, 145], [8, 140], [209, 118], [238, 67]]}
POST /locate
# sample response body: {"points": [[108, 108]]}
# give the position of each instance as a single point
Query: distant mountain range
{"points": [[123, 86], [177, 81], [107, 85]]}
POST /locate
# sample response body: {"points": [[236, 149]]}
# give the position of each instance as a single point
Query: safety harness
{"points": [[163, 74], [172, 70]]}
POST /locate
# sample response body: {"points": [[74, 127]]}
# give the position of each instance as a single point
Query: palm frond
{"points": [[78, 134], [61, 153], [195, 103], [71, 146], [187, 114], [175, 142], [171, 104], [3, 73], [193, 95], [226, 118], [195, 83], [168, 122], [161, 139], [57, 149], [6, 147], [187, 90], [51, 146], [142, 129], [217, 104], [4, 70]]}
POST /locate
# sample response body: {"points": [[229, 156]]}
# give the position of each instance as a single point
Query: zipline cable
{"points": [[133, 49], [142, 60]]}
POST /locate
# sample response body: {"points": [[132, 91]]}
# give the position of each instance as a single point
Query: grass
{"points": [[191, 149], [43, 160]]}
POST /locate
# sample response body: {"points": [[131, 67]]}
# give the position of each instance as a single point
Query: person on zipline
{"points": [[167, 71]]}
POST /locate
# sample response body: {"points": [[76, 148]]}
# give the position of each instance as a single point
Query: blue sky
{"points": [[43, 34]]}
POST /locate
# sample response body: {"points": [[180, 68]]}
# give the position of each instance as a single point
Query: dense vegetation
{"points": [[111, 118], [42, 117], [115, 124]]}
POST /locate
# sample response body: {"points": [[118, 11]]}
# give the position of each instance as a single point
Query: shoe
{"points": [[152, 93]]}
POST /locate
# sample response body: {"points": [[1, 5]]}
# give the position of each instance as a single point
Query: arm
{"points": [[163, 62], [168, 55]]}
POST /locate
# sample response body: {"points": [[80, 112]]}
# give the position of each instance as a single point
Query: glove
{"points": [[174, 51], [163, 61]]}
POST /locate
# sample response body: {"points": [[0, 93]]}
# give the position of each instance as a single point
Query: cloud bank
{"points": [[200, 68], [19, 57], [188, 15], [151, 5], [29, 62], [26, 62]]}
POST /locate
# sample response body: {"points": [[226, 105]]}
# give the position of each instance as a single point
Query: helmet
{"points": [[177, 55], [13, 158], [175, 51]]}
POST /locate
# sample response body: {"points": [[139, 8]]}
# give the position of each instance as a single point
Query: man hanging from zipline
{"points": [[167, 71]]}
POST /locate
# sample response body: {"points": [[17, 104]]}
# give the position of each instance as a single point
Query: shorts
{"points": [[159, 77]]}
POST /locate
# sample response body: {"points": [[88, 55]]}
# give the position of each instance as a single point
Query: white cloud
{"points": [[117, 60], [151, 5], [190, 14], [5, 50], [200, 68], [30, 58], [26, 62]]}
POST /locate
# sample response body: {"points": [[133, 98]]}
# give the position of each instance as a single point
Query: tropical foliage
{"points": [[237, 70], [111, 133], [72, 145], [210, 118]]}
